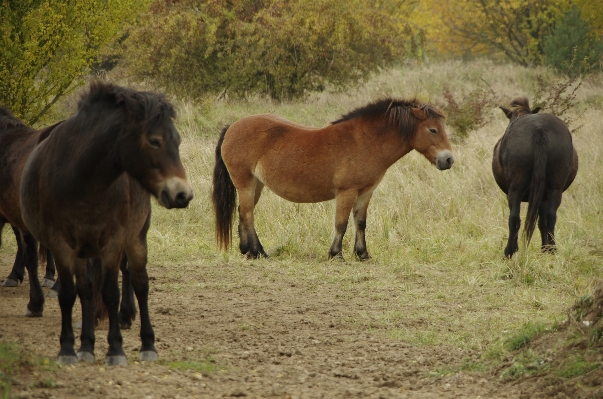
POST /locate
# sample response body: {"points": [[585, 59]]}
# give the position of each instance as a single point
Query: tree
{"points": [[47, 46], [572, 45], [280, 48]]}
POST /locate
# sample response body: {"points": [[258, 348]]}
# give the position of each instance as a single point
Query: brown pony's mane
{"points": [[8, 120], [520, 106], [148, 108], [397, 111]]}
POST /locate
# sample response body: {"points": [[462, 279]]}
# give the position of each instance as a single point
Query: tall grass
{"points": [[436, 237]]}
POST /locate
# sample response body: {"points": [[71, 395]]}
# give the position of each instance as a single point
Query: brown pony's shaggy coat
{"points": [[85, 193], [534, 162], [344, 161]]}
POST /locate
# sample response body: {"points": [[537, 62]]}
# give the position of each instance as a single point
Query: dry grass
{"points": [[437, 238]]}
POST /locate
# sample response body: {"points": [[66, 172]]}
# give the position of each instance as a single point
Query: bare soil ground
{"points": [[269, 337]]}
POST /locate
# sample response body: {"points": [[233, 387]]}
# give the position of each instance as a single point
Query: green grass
{"points": [[576, 366], [201, 366]]}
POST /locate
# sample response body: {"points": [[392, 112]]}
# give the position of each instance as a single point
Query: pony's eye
{"points": [[433, 131], [155, 142]]}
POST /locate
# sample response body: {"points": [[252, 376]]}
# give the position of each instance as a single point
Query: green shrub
{"points": [[281, 49], [572, 46]]}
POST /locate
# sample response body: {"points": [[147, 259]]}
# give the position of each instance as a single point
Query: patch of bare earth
{"points": [[282, 340]]}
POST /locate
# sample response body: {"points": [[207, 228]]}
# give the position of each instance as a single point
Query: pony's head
{"points": [[147, 146], [520, 106]]}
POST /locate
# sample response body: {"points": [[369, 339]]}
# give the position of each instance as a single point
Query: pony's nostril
{"points": [[182, 199], [449, 161]]}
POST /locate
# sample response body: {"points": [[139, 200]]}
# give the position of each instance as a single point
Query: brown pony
{"points": [[85, 193], [17, 140], [534, 162], [344, 161]]}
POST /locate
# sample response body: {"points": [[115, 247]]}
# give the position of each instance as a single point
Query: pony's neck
{"points": [[393, 145]]}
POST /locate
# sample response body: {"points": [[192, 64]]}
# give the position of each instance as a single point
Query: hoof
{"points": [[29, 313], [116, 361], [336, 257], [67, 360], [48, 283], [148, 356], [9, 282], [364, 256], [77, 325], [52, 294], [259, 255], [85, 357], [123, 325]]}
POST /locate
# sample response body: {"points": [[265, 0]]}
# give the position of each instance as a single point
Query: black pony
{"points": [[535, 162], [85, 193]]}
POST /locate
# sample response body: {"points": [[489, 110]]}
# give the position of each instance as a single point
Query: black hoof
{"points": [[62, 359], [47, 283], [30, 313], [336, 257], [119, 360], [9, 282], [148, 356], [86, 357], [256, 255], [364, 256], [52, 294], [125, 323]]}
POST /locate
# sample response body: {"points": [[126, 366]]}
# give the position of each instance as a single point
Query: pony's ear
{"points": [[132, 104], [507, 112], [535, 110], [419, 113]]}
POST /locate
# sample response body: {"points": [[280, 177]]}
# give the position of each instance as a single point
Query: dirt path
{"points": [[269, 338]]}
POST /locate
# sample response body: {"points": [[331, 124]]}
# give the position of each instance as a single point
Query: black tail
{"points": [[224, 197], [540, 143]]}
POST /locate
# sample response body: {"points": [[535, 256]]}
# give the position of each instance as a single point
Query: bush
{"points": [[468, 113], [282, 49]]}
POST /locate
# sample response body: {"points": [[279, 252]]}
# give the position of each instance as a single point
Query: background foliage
{"points": [[46, 46], [283, 49]]}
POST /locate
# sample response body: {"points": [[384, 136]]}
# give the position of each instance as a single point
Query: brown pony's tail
{"points": [[540, 144], [224, 197]]}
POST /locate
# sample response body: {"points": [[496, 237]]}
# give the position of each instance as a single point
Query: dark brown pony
{"points": [[344, 161], [17, 140], [85, 193], [534, 162]]}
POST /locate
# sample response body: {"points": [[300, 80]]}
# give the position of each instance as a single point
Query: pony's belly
{"points": [[301, 193]]}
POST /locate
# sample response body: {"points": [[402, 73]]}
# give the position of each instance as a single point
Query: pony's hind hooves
{"points": [[148, 356], [9, 282], [47, 283], [86, 357], [66, 360], [116, 360], [364, 256], [52, 294], [29, 313]]}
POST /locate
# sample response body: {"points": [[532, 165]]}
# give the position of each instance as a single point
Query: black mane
{"points": [[397, 111], [147, 107]]}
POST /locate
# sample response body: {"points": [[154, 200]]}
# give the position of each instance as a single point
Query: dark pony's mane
{"points": [[8, 120], [520, 106], [397, 111], [148, 108]]}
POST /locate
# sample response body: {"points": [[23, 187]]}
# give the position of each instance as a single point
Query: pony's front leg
{"points": [[35, 307], [514, 198], [83, 282], [67, 295], [360, 210], [344, 201]]}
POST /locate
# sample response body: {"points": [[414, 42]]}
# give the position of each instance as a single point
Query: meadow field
{"points": [[438, 312]]}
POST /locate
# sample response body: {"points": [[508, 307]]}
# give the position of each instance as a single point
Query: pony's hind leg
{"points": [[250, 245], [514, 198], [359, 211], [542, 226], [344, 201], [127, 308], [553, 202], [18, 271], [35, 307], [83, 282], [115, 355]]}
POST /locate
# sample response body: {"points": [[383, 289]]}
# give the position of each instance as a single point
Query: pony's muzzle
{"points": [[444, 160], [175, 193]]}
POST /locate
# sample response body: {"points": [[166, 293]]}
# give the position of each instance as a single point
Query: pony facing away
{"points": [[344, 161], [85, 193], [534, 162]]}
